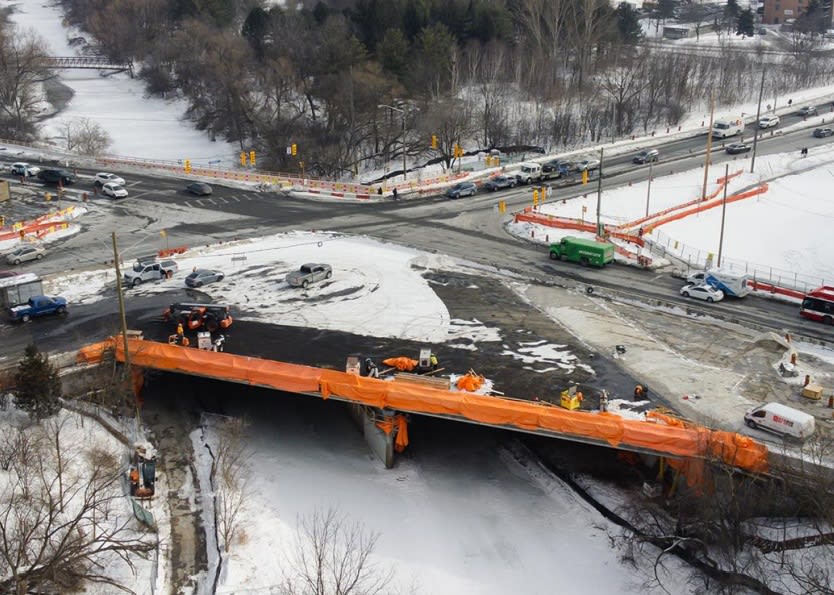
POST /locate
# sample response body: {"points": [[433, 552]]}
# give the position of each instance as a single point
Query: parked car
{"points": [[499, 182], [55, 176], [735, 148], [39, 305], [808, 110], [769, 121], [646, 155], [309, 273], [823, 132], [587, 164], [202, 277], [8, 274], [114, 190], [25, 253], [199, 188], [103, 178], [702, 292], [24, 169], [462, 189]]}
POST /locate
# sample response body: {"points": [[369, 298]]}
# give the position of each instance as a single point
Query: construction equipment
{"points": [[212, 317], [571, 398]]}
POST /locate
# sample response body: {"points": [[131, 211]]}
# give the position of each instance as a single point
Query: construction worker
{"points": [[603, 401], [180, 332], [218, 343], [134, 480], [640, 392], [433, 361], [371, 370]]}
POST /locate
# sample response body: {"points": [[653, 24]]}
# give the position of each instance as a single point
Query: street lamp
{"points": [[402, 111]]}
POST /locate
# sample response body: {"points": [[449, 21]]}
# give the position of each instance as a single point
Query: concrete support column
{"points": [[380, 443]]}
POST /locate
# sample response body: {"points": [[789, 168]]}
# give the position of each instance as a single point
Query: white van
{"points": [[724, 127], [781, 419]]}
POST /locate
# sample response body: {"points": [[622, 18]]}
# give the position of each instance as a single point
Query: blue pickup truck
{"points": [[39, 305]]}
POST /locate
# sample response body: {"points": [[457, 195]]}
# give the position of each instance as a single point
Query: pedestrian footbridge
{"points": [[381, 404]]}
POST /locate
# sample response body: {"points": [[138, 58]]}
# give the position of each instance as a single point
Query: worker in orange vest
{"points": [[134, 480]]}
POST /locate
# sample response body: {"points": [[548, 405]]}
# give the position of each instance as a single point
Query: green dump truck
{"points": [[585, 252]]}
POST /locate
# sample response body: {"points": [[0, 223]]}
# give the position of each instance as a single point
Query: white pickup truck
{"points": [[144, 270]]}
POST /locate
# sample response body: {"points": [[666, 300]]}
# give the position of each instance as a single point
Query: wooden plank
{"points": [[442, 383]]}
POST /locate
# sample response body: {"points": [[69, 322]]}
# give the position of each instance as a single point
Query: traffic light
{"points": [[457, 151], [252, 158], [242, 159], [187, 166], [294, 149], [2, 221], [535, 197], [584, 176], [433, 141]]}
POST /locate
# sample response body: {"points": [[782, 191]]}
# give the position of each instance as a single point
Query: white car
{"points": [[768, 121], [103, 178], [114, 190], [702, 292], [24, 169]]}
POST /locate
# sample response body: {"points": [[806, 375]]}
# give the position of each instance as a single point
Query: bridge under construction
{"points": [[383, 404]]}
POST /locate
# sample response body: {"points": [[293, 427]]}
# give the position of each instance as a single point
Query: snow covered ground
{"points": [[782, 233]]}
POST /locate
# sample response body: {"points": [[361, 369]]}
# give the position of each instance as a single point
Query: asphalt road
{"points": [[470, 228]]}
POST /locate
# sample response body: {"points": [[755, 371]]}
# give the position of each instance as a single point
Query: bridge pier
{"points": [[380, 442]]}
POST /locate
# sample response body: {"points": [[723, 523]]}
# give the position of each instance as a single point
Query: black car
{"points": [[646, 155], [735, 148], [499, 182], [55, 176], [808, 110], [199, 188], [823, 132]]}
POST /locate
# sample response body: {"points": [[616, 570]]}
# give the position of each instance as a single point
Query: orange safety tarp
{"points": [[656, 436], [470, 382], [237, 368], [403, 364]]}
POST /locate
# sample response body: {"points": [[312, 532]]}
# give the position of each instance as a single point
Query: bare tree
{"points": [[23, 66], [84, 136], [230, 475], [334, 557], [55, 534]]}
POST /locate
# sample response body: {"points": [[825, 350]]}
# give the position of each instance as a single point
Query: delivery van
{"points": [[724, 127], [781, 419]]}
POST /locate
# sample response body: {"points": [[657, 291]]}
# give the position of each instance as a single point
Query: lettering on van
{"points": [[781, 420]]}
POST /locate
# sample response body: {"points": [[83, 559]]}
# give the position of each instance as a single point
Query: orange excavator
{"points": [[211, 317]]}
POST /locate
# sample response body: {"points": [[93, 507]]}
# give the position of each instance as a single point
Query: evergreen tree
{"points": [[255, 28], [38, 385], [745, 23], [666, 8], [628, 24], [393, 53], [731, 12]]}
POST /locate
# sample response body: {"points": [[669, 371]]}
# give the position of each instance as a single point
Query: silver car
{"points": [[202, 277], [24, 253], [309, 273]]}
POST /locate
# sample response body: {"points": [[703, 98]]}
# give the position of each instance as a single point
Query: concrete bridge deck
{"points": [[689, 445]]}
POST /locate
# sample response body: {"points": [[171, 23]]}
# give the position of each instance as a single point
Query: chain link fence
{"points": [[691, 257]]}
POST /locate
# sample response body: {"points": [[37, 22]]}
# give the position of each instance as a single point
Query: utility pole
{"points": [[709, 146], [649, 190], [599, 193], [723, 212], [756, 123], [123, 322]]}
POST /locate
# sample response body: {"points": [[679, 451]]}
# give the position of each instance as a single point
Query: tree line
{"points": [[479, 73]]}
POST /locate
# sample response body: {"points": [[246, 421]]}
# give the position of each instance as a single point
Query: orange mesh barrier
{"points": [[703, 206], [660, 434]]}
